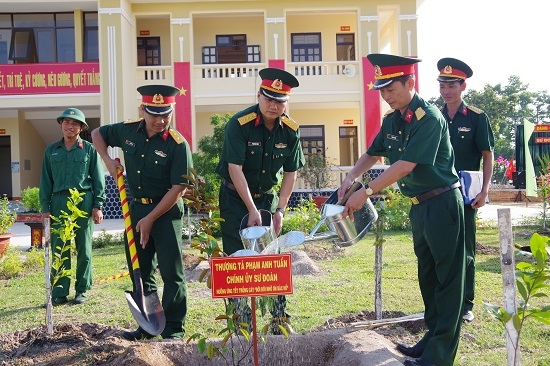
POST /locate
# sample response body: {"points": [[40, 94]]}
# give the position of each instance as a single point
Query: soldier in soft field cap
{"points": [[473, 142], [414, 137], [157, 159], [75, 114], [258, 142], [73, 163]]}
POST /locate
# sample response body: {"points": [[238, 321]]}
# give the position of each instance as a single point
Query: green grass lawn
{"points": [[345, 286]]}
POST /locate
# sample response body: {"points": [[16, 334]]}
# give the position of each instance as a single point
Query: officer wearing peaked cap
{"points": [[473, 141], [258, 142], [157, 158], [73, 163], [414, 136]]}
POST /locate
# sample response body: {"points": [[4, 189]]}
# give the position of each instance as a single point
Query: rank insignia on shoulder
{"points": [[389, 112], [246, 118], [289, 122], [280, 146], [475, 109], [419, 113], [176, 136], [133, 120]]}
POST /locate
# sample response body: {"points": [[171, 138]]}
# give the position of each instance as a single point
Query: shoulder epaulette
{"points": [[419, 113], [133, 120], [389, 112], [247, 118], [289, 122], [475, 109], [176, 136]]}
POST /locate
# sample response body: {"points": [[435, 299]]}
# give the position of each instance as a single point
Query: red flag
{"points": [[372, 102], [511, 169]]}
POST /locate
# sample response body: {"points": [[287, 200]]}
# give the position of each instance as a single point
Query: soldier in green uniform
{"points": [[157, 157], [258, 142], [473, 141], [414, 136], [73, 163]]}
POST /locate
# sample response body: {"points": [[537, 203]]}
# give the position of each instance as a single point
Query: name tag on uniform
{"points": [[250, 143], [128, 142]]}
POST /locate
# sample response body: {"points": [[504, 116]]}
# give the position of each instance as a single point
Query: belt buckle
{"points": [[144, 201], [414, 200], [257, 195]]}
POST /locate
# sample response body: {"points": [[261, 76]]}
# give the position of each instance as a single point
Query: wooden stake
{"points": [[47, 268], [508, 265]]}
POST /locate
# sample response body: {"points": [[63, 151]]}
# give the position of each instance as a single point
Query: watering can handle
{"points": [[354, 187]]}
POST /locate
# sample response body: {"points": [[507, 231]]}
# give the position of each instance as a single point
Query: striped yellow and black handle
{"points": [[136, 272]]}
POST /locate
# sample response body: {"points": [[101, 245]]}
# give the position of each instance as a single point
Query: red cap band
{"points": [[276, 86], [450, 72], [389, 72], [158, 100]]}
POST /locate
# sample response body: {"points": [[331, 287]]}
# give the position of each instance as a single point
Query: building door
{"points": [[148, 51], [5, 166], [349, 150], [345, 47]]}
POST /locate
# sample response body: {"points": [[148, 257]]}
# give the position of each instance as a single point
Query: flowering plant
{"points": [[500, 168]]}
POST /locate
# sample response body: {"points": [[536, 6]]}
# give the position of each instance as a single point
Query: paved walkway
{"points": [[519, 211]]}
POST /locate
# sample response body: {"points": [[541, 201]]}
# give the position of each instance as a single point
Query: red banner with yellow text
{"points": [[184, 120], [61, 78]]}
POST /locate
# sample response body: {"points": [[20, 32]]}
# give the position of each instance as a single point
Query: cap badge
{"points": [[448, 70], [277, 84], [71, 112], [158, 99], [377, 71]]}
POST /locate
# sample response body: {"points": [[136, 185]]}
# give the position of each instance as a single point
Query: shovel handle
{"points": [[349, 192], [127, 220]]}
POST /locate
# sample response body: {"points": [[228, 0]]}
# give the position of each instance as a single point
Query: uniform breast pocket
{"points": [[253, 157], [128, 149], [81, 164], [393, 148], [156, 165], [280, 154]]}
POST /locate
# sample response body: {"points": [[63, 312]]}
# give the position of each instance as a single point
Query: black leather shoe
{"points": [[137, 335], [411, 351], [418, 362]]}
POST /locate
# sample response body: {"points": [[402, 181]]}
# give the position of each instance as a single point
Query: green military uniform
{"points": [[77, 168], [470, 135], [262, 154], [421, 136], [153, 165]]}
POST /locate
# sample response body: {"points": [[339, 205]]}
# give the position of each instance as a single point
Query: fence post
{"points": [[508, 265]]}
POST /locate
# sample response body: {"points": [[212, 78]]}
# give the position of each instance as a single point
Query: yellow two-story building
{"points": [[93, 55]]}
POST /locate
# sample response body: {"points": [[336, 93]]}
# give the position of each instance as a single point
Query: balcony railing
{"points": [[337, 175], [323, 68], [225, 71], [154, 75]]}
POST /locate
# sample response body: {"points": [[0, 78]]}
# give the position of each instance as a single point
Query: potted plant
{"points": [[316, 174], [32, 216], [7, 219]]}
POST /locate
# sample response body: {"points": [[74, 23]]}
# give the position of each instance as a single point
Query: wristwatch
{"points": [[281, 210], [369, 190]]}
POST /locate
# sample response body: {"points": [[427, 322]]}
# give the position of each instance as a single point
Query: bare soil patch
{"points": [[334, 343]]}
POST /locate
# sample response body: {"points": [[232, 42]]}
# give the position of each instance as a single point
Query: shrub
{"points": [[11, 265], [396, 210], [30, 199], [105, 239], [303, 218]]}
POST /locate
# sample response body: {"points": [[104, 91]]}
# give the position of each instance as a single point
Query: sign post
{"points": [[251, 276]]}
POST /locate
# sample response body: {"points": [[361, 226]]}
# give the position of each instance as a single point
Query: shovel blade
{"points": [[152, 318]]}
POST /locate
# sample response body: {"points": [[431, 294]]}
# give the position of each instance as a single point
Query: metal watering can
{"points": [[257, 238], [346, 231]]}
